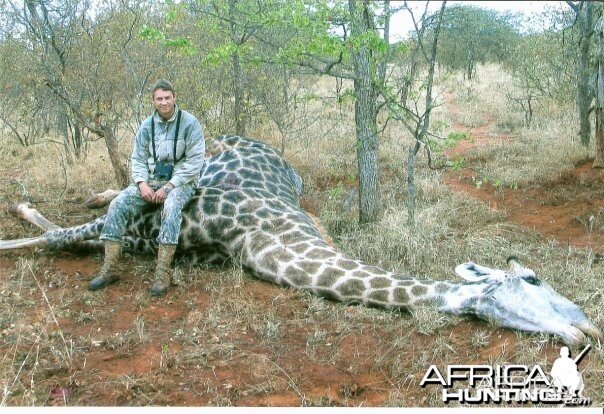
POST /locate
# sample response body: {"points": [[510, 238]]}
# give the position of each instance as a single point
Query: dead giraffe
{"points": [[248, 209]]}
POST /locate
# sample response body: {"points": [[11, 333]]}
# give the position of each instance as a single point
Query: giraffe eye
{"points": [[532, 280]]}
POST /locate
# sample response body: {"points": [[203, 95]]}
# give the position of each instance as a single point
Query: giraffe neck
{"points": [[315, 266]]}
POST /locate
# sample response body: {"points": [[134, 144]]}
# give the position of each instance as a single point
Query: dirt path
{"points": [[569, 208]]}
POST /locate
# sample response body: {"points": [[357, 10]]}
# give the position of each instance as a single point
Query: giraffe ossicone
{"points": [[247, 209]]}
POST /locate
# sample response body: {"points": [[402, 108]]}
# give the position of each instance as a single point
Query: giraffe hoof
{"points": [[101, 282]]}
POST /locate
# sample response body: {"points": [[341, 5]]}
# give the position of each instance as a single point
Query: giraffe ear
{"points": [[477, 273]]}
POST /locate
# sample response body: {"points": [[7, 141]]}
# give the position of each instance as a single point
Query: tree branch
{"points": [[573, 6], [83, 119]]}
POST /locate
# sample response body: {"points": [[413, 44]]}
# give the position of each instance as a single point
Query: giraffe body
{"points": [[247, 209]]}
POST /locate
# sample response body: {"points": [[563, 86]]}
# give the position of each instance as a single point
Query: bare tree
{"points": [[584, 11], [599, 159], [52, 29], [81, 58], [279, 94], [415, 120]]}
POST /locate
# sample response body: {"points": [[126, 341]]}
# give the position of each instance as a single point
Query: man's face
{"points": [[164, 103]]}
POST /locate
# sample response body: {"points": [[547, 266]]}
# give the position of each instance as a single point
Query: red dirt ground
{"points": [[150, 373], [559, 209]]}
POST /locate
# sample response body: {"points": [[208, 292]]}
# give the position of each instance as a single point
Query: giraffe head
{"points": [[517, 299]]}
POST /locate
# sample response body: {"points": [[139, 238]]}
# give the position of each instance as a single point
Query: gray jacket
{"points": [[190, 148]]}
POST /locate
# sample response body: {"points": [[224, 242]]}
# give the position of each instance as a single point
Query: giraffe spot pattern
{"points": [[299, 248], [298, 243], [347, 264], [419, 290], [297, 276], [320, 254], [247, 208], [380, 296], [329, 277], [352, 288], [401, 295], [441, 288], [246, 220], [327, 294], [227, 209], [277, 226], [310, 267], [269, 262], [259, 241], [361, 273], [380, 282]]}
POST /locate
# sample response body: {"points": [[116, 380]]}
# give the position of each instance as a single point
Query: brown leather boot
{"points": [[163, 273], [108, 273]]}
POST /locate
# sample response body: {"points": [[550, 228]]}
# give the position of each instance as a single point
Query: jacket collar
{"points": [[158, 118]]}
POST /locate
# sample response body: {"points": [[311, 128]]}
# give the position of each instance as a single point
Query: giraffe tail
{"points": [[39, 241]]}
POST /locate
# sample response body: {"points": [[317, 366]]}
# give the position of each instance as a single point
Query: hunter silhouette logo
{"points": [[565, 373], [479, 384]]}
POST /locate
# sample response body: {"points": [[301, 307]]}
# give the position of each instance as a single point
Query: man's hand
{"points": [[161, 195], [147, 192]]}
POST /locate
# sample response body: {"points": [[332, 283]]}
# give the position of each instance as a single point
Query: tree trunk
{"points": [[365, 115], [63, 128], [384, 63], [119, 169], [422, 129], [599, 160], [411, 193], [239, 110], [584, 94]]}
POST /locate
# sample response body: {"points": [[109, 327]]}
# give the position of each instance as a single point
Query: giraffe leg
{"points": [[23, 243], [25, 212], [32, 216], [83, 242], [99, 200]]}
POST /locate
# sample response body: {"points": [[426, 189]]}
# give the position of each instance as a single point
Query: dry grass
{"points": [[226, 339], [538, 153]]}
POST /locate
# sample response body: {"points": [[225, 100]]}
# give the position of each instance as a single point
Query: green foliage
{"points": [[372, 40], [179, 44], [497, 183], [451, 141], [338, 192], [472, 35], [182, 45], [458, 163], [347, 96], [151, 34], [455, 136], [219, 55], [399, 50], [544, 64]]}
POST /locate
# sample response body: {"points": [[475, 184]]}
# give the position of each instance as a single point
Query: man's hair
{"points": [[164, 85]]}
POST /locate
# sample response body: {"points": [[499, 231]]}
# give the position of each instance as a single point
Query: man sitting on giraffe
{"points": [[166, 160]]}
